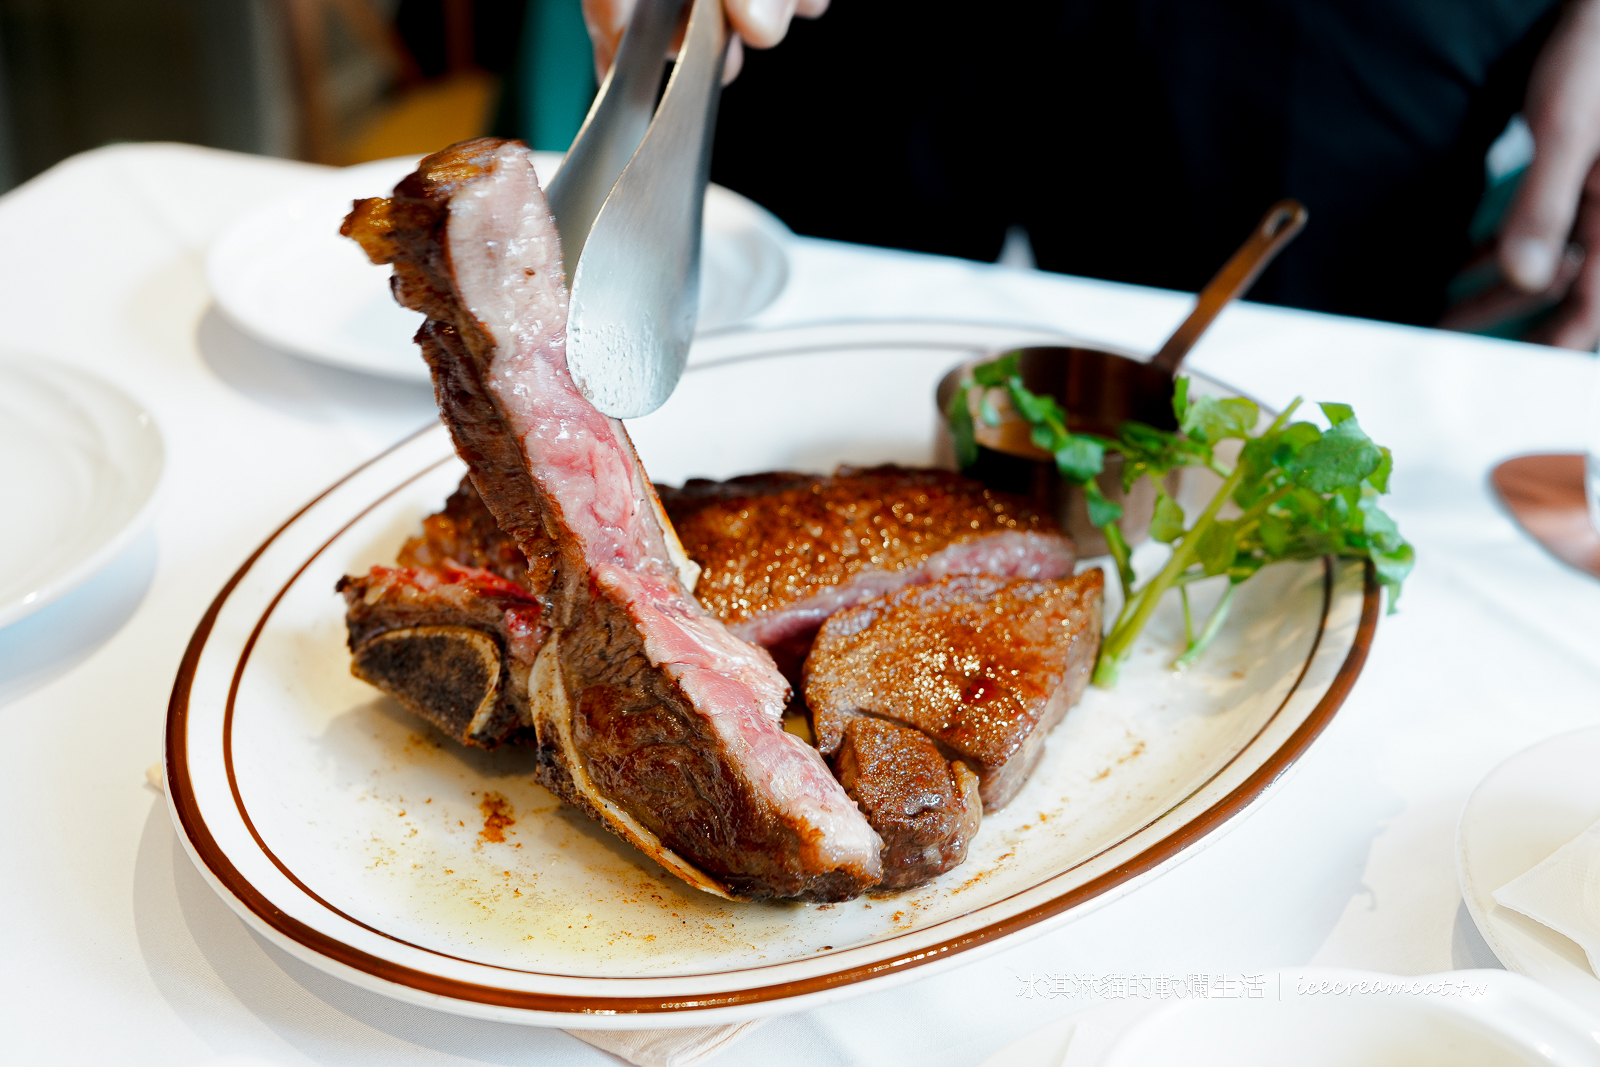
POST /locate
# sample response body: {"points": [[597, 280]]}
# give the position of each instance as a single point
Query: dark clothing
{"points": [[1141, 140]]}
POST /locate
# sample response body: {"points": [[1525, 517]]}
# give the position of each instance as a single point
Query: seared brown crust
{"points": [[925, 807], [983, 666], [464, 532], [620, 706], [813, 531]]}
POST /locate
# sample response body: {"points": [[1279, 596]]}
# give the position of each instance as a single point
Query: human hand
{"points": [[758, 23], [1559, 198]]}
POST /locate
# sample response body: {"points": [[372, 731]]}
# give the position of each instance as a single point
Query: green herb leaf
{"points": [[1147, 451], [1393, 568], [1102, 510], [1337, 413], [1212, 419], [1343, 456], [1303, 494], [1215, 548], [1166, 525], [1291, 441], [996, 371], [962, 433], [1080, 459], [1034, 407], [987, 411], [1380, 477], [1380, 529], [1180, 400], [1274, 533]]}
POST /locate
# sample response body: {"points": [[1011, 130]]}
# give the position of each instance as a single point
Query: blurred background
{"points": [[347, 81], [329, 81]]}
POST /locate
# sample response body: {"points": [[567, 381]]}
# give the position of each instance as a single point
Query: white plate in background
{"points": [[350, 834], [79, 464], [1521, 813], [282, 273]]}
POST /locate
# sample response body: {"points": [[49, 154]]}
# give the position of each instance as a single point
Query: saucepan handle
{"points": [[1276, 229]]}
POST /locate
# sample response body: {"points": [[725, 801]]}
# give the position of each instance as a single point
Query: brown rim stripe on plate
{"points": [[233, 690], [244, 814]]}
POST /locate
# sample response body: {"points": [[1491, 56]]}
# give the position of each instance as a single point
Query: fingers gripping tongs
{"points": [[628, 201]]}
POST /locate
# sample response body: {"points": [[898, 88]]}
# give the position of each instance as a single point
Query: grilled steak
{"points": [[925, 807], [983, 666], [781, 552], [648, 713]]}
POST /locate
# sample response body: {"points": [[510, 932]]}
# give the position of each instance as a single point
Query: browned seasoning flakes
{"points": [[497, 815]]}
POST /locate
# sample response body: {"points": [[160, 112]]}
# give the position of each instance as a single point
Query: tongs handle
{"points": [[615, 125], [636, 291]]}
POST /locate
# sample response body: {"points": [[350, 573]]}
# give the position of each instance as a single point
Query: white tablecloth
{"points": [[112, 949]]}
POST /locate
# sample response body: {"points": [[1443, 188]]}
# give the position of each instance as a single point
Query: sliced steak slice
{"points": [[925, 807], [781, 552], [983, 666], [649, 714], [454, 644]]}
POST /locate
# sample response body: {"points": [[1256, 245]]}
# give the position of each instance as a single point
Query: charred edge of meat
{"points": [[496, 467], [570, 780], [924, 806]]}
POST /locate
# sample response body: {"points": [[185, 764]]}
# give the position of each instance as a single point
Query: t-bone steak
{"points": [[648, 713]]}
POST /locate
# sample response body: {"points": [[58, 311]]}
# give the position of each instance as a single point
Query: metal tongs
{"points": [[628, 202]]}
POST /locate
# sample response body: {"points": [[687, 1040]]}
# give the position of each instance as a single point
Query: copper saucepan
{"points": [[1101, 389]]}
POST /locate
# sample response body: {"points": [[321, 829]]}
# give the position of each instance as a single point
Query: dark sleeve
{"points": [[1140, 140]]}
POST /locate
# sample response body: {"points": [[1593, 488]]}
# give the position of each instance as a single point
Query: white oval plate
{"points": [[79, 464], [1323, 1017], [346, 831], [282, 273], [1523, 811]]}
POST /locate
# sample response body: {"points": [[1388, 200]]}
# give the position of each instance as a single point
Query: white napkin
{"points": [[1563, 893], [1087, 1045], [666, 1048], [643, 1048]]}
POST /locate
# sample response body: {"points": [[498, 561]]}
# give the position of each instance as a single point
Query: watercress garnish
{"points": [[1301, 492]]}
